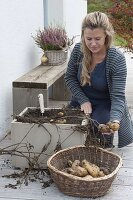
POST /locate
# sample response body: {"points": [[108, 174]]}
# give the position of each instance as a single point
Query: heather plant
{"points": [[52, 38]]}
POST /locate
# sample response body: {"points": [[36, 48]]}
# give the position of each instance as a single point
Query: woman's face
{"points": [[95, 39]]}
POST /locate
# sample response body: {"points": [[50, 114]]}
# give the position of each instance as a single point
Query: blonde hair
{"points": [[94, 20]]}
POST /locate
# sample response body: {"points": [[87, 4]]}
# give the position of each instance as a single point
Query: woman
{"points": [[96, 75]]}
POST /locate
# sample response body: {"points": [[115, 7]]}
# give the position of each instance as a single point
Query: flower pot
{"points": [[31, 138], [56, 57]]}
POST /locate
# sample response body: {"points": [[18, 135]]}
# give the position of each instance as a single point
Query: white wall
{"points": [[74, 12], [18, 52], [68, 13]]}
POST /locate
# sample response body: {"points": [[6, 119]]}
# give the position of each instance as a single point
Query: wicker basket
{"points": [[77, 186], [56, 57]]}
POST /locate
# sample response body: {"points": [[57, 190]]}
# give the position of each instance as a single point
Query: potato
{"points": [[77, 171], [101, 174], [81, 171], [91, 168], [60, 113], [104, 128], [75, 164], [70, 171], [114, 126]]}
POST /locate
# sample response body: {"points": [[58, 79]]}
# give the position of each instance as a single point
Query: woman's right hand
{"points": [[86, 107]]}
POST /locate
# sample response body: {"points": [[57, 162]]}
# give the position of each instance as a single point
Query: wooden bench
{"points": [[42, 79]]}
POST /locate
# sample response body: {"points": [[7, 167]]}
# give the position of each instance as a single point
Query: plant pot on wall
{"points": [[37, 140]]}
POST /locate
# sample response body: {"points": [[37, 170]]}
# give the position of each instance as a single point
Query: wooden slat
{"points": [[40, 77]]}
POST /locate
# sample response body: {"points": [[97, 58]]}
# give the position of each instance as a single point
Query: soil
{"points": [[58, 116], [61, 116]]}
